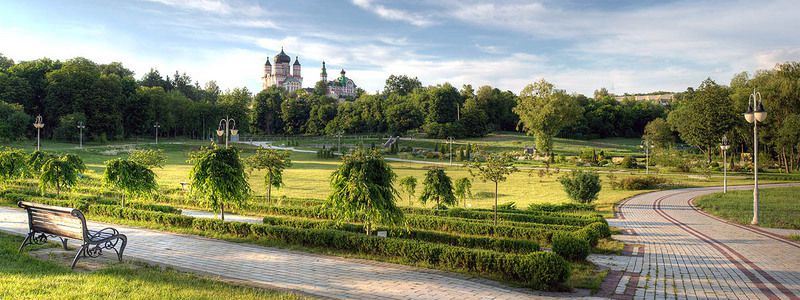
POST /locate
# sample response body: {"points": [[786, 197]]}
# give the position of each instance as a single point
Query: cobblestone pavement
{"points": [[319, 275], [678, 252]]}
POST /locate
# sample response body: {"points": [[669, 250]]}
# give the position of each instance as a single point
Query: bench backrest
{"points": [[61, 221]]}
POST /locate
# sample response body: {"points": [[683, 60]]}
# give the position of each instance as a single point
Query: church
{"points": [[280, 75]]}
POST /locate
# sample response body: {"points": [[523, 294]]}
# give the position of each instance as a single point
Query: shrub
{"points": [[551, 207], [508, 205], [570, 246], [642, 183], [581, 186], [628, 162]]}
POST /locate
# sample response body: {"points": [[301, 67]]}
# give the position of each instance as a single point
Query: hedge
{"points": [[539, 270], [562, 207], [539, 217], [570, 246], [489, 243], [83, 202]]}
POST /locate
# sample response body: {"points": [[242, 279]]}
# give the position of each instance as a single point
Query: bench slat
{"points": [[53, 229], [58, 219]]}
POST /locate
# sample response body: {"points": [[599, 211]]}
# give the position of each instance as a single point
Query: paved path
{"points": [[679, 252], [278, 268]]}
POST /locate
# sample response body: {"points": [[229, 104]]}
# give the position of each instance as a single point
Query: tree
{"points": [[658, 133], [362, 188], [130, 176], [150, 158], [266, 113], [35, 161], [5, 63], [60, 172], [439, 188], [581, 186], [12, 164], [11, 116], [496, 169], [463, 189], [704, 115], [401, 85], [543, 111], [274, 162], [409, 186], [218, 178]]}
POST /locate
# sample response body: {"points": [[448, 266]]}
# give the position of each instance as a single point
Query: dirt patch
{"points": [[65, 257]]}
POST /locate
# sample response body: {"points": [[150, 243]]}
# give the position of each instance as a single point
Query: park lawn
{"points": [[779, 207], [24, 277]]}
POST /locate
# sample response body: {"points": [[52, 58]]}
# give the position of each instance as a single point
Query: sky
{"points": [[624, 46]]}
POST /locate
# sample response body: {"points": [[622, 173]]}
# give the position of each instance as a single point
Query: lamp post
{"points": [[755, 113], [80, 135], [450, 141], [39, 124], [646, 145], [228, 129], [724, 146], [339, 144], [157, 126]]}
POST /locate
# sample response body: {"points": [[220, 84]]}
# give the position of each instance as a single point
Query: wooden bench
{"points": [[68, 223]]}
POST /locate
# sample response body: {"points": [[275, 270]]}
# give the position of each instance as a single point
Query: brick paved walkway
{"points": [[319, 275], [681, 253]]}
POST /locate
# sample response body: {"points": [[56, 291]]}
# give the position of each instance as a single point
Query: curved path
{"points": [[679, 252]]}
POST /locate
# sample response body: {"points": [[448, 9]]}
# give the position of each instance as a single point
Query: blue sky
{"points": [[625, 46]]}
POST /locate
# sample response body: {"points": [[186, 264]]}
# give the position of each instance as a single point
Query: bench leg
{"points": [[122, 247], [64, 243], [78, 255], [25, 242]]}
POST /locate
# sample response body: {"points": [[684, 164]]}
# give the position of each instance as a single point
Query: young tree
{"points": [[60, 172], [150, 158], [12, 164], [218, 178], [463, 189], [439, 188], [130, 176], [274, 162], [496, 168], [409, 185], [658, 133], [362, 187]]}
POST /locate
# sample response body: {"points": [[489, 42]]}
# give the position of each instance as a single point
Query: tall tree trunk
{"points": [[269, 188], [222, 211]]}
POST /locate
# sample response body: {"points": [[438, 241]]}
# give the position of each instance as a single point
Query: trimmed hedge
{"points": [[539, 270], [489, 243], [572, 206], [83, 202], [539, 217], [570, 246]]}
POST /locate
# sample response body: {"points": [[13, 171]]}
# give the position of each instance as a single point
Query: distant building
{"points": [[280, 74], [339, 88], [663, 99]]}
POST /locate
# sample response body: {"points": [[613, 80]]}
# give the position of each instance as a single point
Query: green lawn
{"points": [[779, 207], [24, 277]]}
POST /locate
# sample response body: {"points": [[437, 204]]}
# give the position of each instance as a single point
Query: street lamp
{"points": [[228, 131], [755, 113], [450, 141], [339, 145], [646, 145], [81, 127], [157, 126], [724, 146], [39, 124]]}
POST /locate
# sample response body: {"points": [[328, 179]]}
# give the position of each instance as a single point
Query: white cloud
{"points": [[211, 6], [394, 14]]}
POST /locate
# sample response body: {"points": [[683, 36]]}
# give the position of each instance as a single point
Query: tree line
{"points": [[113, 104]]}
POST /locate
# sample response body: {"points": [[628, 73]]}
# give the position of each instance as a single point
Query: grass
{"points": [[309, 175], [608, 246], [586, 275], [779, 207], [795, 237], [24, 277]]}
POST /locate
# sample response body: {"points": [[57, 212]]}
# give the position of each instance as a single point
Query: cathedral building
{"points": [[339, 88], [280, 75], [291, 80]]}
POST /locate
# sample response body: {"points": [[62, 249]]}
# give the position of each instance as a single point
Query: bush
{"points": [[641, 183], [570, 246], [581, 186], [628, 162], [551, 207]]}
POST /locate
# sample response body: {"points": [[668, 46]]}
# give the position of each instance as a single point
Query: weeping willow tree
{"points": [[218, 178], [60, 172], [362, 189], [133, 178], [409, 186], [12, 164], [35, 161], [274, 162], [438, 188], [463, 190]]}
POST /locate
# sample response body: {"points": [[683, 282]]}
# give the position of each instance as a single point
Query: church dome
{"points": [[296, 61], [282, 58]]}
